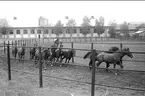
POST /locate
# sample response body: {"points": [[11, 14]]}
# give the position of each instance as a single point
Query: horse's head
{"points": [[127, 52]]}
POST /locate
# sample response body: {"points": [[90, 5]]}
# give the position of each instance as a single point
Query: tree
{"points": [[99, 26], [124, 29], [71, 24], [58, 29], [86, 25], [112, 31], [141, 26], [4, 26]]}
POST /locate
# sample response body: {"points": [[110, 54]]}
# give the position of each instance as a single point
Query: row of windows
{"points": [[26, 32], [38, 31]]}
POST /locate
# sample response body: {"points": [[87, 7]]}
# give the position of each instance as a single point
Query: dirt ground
{"points": [[24, 84]]}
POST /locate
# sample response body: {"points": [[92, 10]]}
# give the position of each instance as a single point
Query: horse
{"points": [[32, 51], [59, 53], [14, 51], [89, 55], [21, 53], [53, 56], [45, 56], [68, 54], [113, 58]]}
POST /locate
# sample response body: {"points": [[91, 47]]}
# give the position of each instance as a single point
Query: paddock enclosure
{"points": [[76, 75]]}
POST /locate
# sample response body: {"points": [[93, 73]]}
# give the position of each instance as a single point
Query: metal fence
{"points": [[8, 45]]}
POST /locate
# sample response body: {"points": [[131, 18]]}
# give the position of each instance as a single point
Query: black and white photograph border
{"points": [[72, 48]]}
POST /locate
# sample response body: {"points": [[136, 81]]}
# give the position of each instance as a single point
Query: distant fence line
{"points": [[81, 39]]}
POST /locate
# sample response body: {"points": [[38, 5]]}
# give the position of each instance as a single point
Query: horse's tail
{"points": [[87, 55]]}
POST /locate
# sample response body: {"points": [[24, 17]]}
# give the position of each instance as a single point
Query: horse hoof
{"points": [[44, 68]]}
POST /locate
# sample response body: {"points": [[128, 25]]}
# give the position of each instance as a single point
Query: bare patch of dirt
{"points": [[28, 84]]}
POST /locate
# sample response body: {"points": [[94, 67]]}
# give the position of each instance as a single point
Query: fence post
{"points": [[72, 46], [121, 45], [8, 60], [21, 42], [92, 46], [4, 47], [12, 43], [40, 69], [15, 43], [93, 74]]}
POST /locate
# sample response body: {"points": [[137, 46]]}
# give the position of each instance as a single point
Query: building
{"points": [[35, 32]]}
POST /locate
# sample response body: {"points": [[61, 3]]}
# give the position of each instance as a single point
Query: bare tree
{"points": [[58, 29], [4, 27], [99, 25]]}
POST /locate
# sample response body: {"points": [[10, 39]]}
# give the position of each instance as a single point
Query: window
{"points": [[46, 31], [52, 31], [25, 32], [74, 30], [38, 31], [4, 32], [11, 31], [32, 31], [18, 31]]}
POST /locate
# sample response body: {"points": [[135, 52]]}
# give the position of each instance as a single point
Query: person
{"points": [[56, 42]]}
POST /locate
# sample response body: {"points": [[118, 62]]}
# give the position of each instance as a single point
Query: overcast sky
{"points": [[28, 12]]}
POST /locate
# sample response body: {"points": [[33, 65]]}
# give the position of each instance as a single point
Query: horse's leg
{"points": [[35, 62], [107, 65], [57, 59], [90, 64], [62, 58], [44, 63], [65, 60], [98, 63], [114, 65], [23, 59], [53, 60], [69, 60]]}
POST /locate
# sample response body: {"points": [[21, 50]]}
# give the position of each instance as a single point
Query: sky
{"points": [[28, 12]]}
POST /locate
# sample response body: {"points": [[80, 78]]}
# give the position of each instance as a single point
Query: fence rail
{"points": [[8, 46]]}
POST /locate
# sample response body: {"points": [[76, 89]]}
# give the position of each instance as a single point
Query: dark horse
{"points": [[32, 51], [89, 55], [45, 56], [14, 51], [53, 56], [59, 54], [21, 52], [68, 54], [113, 58]]}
